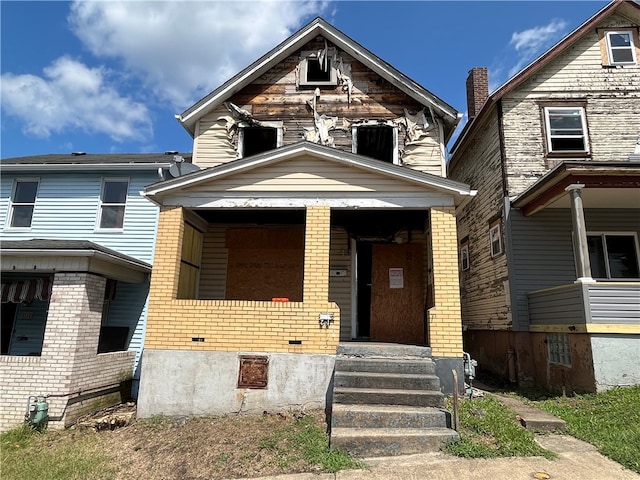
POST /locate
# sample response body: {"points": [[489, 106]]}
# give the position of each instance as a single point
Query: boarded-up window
{"points": [[190, 262], [265, 263]]}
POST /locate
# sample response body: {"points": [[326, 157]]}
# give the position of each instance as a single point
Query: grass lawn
{"points": [[488, 429], [608, 420]]}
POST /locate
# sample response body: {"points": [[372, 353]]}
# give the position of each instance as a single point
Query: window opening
{"points": [[113, 200], [566, 129], [464, 256], [315, 72], [376, 141], [23, 203], [258, 139], [621, 48], [613, 256], [495, 239]]}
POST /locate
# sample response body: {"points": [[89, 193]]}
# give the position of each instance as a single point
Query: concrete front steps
{"points": [[387, 401]]}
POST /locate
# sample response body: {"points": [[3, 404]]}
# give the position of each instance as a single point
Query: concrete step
{"points": [[424, 366], [388, 416], [402, 381], [381, 396], [383, 442], [373, 349]]}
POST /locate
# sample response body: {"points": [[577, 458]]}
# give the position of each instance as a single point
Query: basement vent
{"points": [[254, 371]]}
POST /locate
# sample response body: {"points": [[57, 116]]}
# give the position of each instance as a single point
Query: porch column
{"points": [[445, 321], [316, 255], [583, 265]]}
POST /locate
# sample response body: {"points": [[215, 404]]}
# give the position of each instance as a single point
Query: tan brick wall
{"points": [[233, 325], [445, 324], [69, 361]]}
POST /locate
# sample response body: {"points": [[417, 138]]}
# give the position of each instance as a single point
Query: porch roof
{"points": [[49, 255], [606, 185], [425, 182]]}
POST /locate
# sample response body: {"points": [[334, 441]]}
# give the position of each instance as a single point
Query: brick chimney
{"points": [[477, 90]]}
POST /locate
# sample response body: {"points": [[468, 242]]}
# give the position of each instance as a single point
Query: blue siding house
{"points": [[77, 242]]}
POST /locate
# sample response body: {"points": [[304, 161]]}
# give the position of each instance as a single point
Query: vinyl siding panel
{"points": [[543, 249], [213, 269], [340, 287], [558, 306], [305, 174], [614, 303]]}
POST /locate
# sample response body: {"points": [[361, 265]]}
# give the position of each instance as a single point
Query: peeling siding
{"points": [[483, 296], [275, 97]]}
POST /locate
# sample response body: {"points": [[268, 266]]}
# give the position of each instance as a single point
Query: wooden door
{"points": [[398, 294]]}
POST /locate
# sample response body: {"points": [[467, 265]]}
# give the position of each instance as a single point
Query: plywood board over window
{"points": [[265, 263]]}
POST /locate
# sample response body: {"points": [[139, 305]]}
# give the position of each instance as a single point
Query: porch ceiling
{"points": [[606, 185]]}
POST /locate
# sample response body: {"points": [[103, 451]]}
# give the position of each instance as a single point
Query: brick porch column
{"points": [[445, 321], [316, 255]]}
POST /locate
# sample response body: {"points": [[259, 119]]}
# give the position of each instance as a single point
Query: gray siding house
{"points": [[77, 242], [549, 257]]}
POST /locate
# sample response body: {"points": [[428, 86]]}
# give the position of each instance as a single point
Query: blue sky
{"points": [[108, 77]]}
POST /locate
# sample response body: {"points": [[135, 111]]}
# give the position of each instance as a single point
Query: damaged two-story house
{"points": [[549, 254], [321, 215]]}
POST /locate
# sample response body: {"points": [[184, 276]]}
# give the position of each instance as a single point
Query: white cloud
{"points": [[71, 95], [533, 41], [183, 50]]}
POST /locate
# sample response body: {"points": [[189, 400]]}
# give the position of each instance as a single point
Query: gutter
{"points": [[140, 266], [39, 167]]}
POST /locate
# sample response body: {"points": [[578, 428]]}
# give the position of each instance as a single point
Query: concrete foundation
{"points": [[444, 368], [616, 360], [179, 382]]}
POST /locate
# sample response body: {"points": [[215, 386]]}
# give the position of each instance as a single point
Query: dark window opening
{"points": [[258, 139], [613, 256], [375, 142], [315, 72]]}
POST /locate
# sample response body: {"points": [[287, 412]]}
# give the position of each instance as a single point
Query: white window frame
{"points": [[559, 348], [13, 203], [495, 233], [583, 122], [610, 48], [464, 255], [101, 204], [278, 125], [304, 68], [354, 137], [603, 235]]}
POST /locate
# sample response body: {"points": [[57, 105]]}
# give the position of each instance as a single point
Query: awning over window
{"points": [[26, 291]]}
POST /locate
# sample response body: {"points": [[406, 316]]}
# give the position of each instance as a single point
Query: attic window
{"points": [[253, 140], [376, 141], [620, 48], [317, 70]]}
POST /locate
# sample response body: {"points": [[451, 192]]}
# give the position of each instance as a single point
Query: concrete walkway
{"points": [[576, 460]]}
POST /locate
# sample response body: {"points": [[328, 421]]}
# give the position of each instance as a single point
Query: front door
{"points": [[398, 293]]}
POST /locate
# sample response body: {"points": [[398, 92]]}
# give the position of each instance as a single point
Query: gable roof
{"points": [[125, 161], [317, 27], [444, 185], [626, 6]]}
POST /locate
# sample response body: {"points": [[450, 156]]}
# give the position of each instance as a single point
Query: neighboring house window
{"points": [[253, 140], [558, 345], [376, 141], [317, 70], [613, 255], [566, 129], [22, 203], [112, 203], [495, 238], [464, 255], [621, 49]]}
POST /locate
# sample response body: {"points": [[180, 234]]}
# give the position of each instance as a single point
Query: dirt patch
{"points": [[205, 447]]}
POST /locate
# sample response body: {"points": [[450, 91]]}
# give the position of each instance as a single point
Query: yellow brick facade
{"points": [[235, 325], [445, 324]]}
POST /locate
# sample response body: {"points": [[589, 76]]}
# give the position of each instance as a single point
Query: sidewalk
{"points": [[576, 460]]}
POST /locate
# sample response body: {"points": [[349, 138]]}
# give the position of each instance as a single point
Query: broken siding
{"points": [[611, 95], [483, 294], [275, 97]]}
